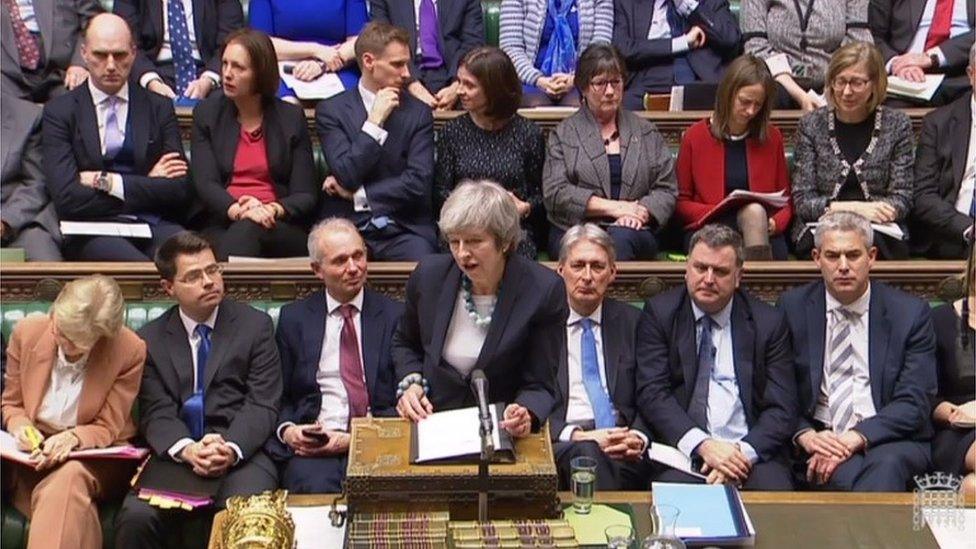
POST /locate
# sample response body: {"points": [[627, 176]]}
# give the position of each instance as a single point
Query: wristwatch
{"points": [[103, 182], [934, 57]]}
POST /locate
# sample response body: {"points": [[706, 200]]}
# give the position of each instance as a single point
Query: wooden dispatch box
{"points": [[380, 477]]}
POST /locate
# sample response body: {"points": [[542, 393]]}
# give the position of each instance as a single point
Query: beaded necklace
{"points": [[466, 293], [846, 166]]}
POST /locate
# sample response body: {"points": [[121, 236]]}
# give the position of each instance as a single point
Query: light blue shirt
{"points": [[725, 413], [660, 28]]}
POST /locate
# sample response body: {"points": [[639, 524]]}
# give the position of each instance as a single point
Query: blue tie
{"points": [[179, 43], [698, 410], [193, 409], [603, 415], [683, 73]]}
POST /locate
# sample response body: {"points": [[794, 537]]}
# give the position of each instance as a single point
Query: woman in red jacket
{"points": [[737, 148]]}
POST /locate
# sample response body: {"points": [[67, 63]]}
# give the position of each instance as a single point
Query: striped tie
{"points": [[840, 374]]}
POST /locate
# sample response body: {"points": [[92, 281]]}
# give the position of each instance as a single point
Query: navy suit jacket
{"points": [[901, 359], [71, 145], [619, 328], [667, 367], [460, 22], [521, 352], [650, 62], [213, 20], [894, 23], [398, 176], [301, 326]]}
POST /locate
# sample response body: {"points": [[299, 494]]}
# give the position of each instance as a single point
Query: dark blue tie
{"points": [[698, 409], [603, 415], [193, 409], [683, 73], [179, 43]]}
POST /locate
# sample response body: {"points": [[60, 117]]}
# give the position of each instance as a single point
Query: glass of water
{"points": [[583, 474], [619, 536]]}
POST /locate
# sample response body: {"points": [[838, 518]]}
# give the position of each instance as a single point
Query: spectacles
{"points": [[857, 84], [196, 275], [602, 84]]}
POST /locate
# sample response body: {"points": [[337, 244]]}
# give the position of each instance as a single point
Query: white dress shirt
{"points": [[863, 402], [578, 407], [334, 411], [100, 100], [59, 407], [959, 25], [660, 28], [194, 338], [359, 201], [724, 411], [27, 14], [464, 339], [965, 197], [416, 19], [166, 51]]}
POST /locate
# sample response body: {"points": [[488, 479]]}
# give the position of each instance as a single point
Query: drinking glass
{"points": [[583, 475], [619, 536]]}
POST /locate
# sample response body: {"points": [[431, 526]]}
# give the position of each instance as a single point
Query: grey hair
{"points": [[327, 225], [717, 236], [589, 232], [843, 221], [482, 205]]}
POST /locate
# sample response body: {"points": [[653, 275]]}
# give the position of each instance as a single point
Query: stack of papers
{"points": [[915, 90], [323, 87], [672, 457], [106, 228], [9, 451], [737, 199], [708, 514], [455, 436]]}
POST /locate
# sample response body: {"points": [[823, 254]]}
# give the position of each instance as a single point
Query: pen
{"points": [[34, 437]]}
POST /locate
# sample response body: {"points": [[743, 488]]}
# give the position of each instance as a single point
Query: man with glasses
{"points": [[210, 388], [597, 414], [336, 362]]}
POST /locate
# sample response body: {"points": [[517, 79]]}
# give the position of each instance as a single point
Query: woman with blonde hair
{"points": [[71, 379], [854, 155]]}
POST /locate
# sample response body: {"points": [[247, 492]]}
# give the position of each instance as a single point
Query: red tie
{"points": [[30, 54], [351, 366], [941, 22]]}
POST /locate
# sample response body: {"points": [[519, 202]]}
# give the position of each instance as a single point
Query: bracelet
{"points": [[411, 379]]}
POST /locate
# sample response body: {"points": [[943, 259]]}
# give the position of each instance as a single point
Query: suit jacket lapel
{"points": [[199, 22], [358, 110], [562, 376], [743, 351], [38, 376], [88, 125], [275, 145], [221, 339], [630, 150], [313, 334], [178, 344], [878, 331], [7, 38], [687, 345], [155, 9], [98, 379], [816, 335], [139, 115], [588, 132], [228, 137], [916, 9], [643, 15], [444, 12], [410, 16], [444, 311], [960, 143], [508, 292], [372, 337], [44, 11], [612, 347]]}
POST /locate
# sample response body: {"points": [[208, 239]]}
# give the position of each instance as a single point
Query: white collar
{"points": [[859, 306], [720, 318], [190, 325], [98, 96], [596, 316], [331, 304], [368, 96]]}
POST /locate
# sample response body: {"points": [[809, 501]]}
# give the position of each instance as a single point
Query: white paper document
{"points": [[915, 90], [9, 450], [106, 228], [313, 528], [323, 87], [672, 457], [956, 534], [453, 433], [890, 229], [777, 199]]}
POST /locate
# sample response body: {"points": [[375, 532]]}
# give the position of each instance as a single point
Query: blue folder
{"points": [[716, 510]]}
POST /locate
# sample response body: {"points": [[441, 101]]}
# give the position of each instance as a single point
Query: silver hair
{"points": [[589, 232], [327, 225], [844, 221], [717, 236], [482, 205]]}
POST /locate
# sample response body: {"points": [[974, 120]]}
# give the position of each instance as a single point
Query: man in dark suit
{"points": [[597, 415], [864, 355], [27, 218], [336, 362], [179, 42], [379, 144], [40, 46], [441, 34], [714, 375], [673, 43], [210, 389], [112, 152], [945, 174], [919, 37]]}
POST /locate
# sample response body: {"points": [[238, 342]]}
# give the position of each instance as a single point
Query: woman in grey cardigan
{"points": [[807, 37], [854, 155], [608, 165], [545, 43]]}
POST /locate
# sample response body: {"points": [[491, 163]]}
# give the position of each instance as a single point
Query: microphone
{"points": [[479, 385]]}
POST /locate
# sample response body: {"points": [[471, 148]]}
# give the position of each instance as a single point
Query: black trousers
{"points": [[247, 238]]}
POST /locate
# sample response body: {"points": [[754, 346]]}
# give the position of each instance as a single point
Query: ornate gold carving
{"points": [[260, 521]]}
